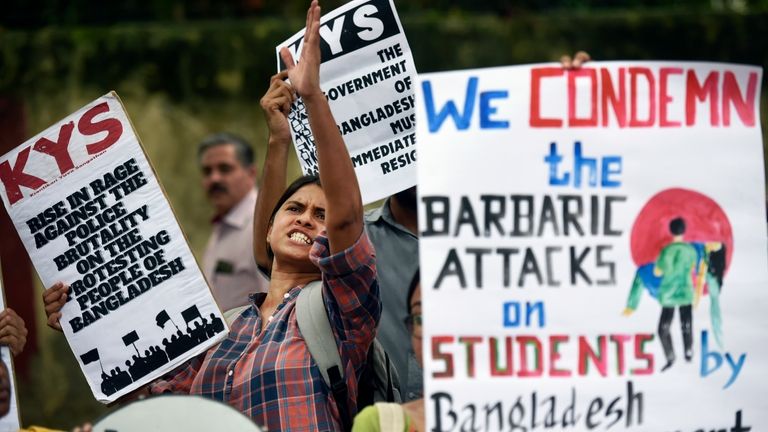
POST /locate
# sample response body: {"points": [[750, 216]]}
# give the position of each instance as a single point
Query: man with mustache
{"points": [[229, 180]]}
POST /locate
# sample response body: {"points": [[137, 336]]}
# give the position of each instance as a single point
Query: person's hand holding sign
{"points": [[576, 62], [276, 104], [54, 299], [13, 331]]}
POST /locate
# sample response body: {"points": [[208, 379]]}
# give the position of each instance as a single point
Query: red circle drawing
{"points": [[704, 220]]}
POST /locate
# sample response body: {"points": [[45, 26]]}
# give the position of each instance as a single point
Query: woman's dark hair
{"points": [[412, 288], [289, 191]]}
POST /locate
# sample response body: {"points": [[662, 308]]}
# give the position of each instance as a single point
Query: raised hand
{"points": [[305, 76], [54, 299], [578, 60], [276, 104]]}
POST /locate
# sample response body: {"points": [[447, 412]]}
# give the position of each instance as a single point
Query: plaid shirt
{"points": [[270, 376]]}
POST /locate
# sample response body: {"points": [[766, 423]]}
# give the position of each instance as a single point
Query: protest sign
{"points": [[90, 212], [9, 409], [367, 74], [593, 248]]}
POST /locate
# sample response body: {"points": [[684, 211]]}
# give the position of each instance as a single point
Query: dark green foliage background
{"points": [[233, 59]]}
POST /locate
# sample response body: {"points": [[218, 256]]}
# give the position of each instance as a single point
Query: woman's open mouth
{"points": [[300, 237]]}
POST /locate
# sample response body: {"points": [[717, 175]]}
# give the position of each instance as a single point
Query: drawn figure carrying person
{"points": [[677, 280]]}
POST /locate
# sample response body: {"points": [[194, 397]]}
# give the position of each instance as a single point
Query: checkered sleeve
{"points": [[351, 292]]}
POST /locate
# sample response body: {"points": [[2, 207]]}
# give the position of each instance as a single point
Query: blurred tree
{"points": [[41, 13]]}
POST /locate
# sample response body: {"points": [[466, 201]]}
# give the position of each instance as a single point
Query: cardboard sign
{"points": [[367, 73], [9, 419], [593, 248], [91, 214]]}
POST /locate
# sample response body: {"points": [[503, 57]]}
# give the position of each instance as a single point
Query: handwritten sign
{"points": [[593, 248], [91, 213], [367, 74]]}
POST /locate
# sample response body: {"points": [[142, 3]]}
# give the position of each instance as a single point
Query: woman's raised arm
{"points": [[276, 103], [344, 212]]}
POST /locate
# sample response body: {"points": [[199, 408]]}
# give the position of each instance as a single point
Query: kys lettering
{"points": [[14, 175], [364, 24]]}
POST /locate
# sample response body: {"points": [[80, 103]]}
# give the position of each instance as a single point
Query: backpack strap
{"points": [[390, 384], [384, 376], [315, 328]]}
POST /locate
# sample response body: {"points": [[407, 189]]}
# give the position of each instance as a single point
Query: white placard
{"points": [[367, 73], [551, 204], [10, 421], [91, 213]]}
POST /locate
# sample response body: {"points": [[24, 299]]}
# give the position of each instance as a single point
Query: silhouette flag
{"points": [[190, 313], [162, 318], [130, 338], [90, 357]]}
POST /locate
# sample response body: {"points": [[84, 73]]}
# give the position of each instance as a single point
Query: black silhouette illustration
{"points": [[198, 330]]}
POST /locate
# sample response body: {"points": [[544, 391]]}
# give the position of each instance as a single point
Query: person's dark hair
{"points": [[412, 288], [289, 191], [243, 150], [716, 265], [677, 226], [408, 198]]}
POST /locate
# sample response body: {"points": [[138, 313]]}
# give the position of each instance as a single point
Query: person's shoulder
{"points": [[682, 250], [241, 215], [688, 247], [373, 215]]}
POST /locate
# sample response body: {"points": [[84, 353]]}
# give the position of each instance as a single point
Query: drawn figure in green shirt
{"points": [[676, 265], [675, 269], [674, 282]]}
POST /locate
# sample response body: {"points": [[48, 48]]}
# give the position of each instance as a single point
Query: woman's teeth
{"points": [[300, 237]]}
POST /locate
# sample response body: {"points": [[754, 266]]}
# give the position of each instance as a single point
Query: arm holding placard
{"points": [[54, 299], [576, 62], [276, 104], [13, 331], [344, 212]]}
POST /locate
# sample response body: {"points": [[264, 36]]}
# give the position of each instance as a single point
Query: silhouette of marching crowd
{"points": [[199, 329]]}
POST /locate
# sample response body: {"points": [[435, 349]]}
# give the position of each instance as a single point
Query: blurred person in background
{"points": [[13, 334], [392, 417], [229, 180]]}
